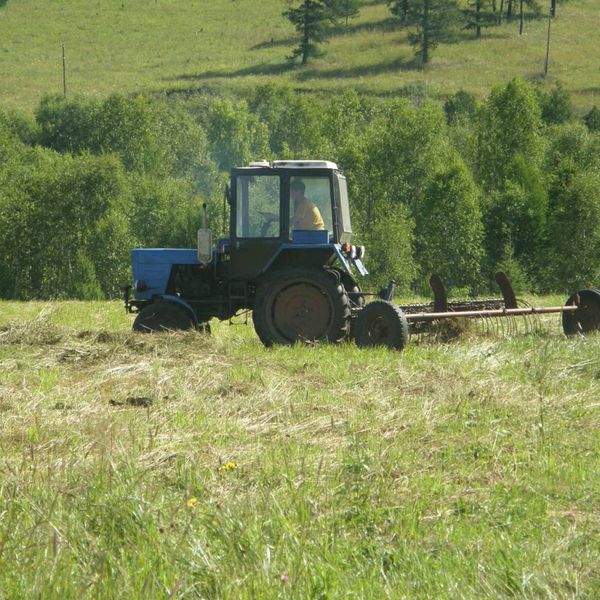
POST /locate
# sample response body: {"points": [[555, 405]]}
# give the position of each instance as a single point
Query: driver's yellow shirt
{"points": [[307, 216]]}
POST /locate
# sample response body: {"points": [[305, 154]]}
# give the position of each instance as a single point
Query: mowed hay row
{"points": [[181, 464]]}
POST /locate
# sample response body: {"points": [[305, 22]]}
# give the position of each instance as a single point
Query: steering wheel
{"points": [[269, 218]]}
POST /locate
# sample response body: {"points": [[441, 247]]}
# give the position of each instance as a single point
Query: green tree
{"points": [[399, 150], [400, 8], [509, 125], [148, 135], [432, 20], [65, 231], [574, 230], [345, 9], [480, 14], [390, 245], [557, 106], [592, 119], [449, 231], [460, 108], [515, 220], [293, 122], [235, 135], [310, 19], [165, 211]]}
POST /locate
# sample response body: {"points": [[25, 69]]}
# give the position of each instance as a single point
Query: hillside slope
{"points": [[132, 45]]}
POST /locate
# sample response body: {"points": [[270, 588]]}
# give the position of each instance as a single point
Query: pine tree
{"points": [[432, 19], [480, 14], [310, 19], [399, 8], [345, 9]]}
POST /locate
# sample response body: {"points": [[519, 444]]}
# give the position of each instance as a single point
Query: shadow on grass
{"points": [[304, 73], [260, 69], [468, 35], [588, 90], [389, 66], [385, 25]]}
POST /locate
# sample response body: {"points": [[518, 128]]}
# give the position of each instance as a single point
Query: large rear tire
{"points": [[352, 289], [163, 316], [301, 304], [381, 323]]}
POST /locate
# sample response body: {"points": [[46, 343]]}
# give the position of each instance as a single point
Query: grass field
{"points": [[134, 45], [184, 466]]}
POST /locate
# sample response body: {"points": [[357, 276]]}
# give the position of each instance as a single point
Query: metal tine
{"points": [[490, 326], [513, 326], [533, 323]]}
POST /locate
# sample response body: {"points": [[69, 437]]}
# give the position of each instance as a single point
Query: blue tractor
{"points": [[288, 259]]}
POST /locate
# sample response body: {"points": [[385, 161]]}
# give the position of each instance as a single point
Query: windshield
{"points": [[258, 206]]}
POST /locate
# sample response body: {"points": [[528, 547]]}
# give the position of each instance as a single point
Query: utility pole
{"points": [[550, 13], [64, 70]]}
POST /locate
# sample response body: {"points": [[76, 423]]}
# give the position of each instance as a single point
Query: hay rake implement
{"points": [[382, 323]]}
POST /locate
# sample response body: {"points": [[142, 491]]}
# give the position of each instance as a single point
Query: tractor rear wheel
{"points": [[301, 304], [163, 316], [381, 323], [352, 289]]}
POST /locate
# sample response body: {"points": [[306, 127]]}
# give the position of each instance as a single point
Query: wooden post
{"points": [[546, 60], [64, 71], [521, 17]]}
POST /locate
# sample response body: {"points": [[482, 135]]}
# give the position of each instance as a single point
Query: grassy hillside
{"points": [[136, 466], [132, 45]]}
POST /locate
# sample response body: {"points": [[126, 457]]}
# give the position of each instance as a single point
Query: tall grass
{"points": [[187, 466]]}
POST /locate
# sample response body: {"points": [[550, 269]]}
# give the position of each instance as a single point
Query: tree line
{"points": [[461, 188], [429, 22]]}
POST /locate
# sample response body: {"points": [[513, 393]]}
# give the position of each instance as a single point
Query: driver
{"points": [[306, 214]]}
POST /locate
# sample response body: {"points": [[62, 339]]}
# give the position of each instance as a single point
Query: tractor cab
{"points": [[277, 208]]}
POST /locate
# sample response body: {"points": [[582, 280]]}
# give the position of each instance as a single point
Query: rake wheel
{"points": [[381, 323], [587, 317]]}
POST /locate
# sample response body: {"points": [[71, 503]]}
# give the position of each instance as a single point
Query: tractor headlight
{"points": [[349, 250]]}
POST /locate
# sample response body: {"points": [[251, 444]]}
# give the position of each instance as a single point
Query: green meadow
{"points": [[231, 46], [185, 466]]}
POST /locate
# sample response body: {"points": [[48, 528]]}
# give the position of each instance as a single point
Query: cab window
{"points": [[258, 206], [310, 203]]}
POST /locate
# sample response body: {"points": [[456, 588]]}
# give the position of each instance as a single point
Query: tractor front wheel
{"points": [[162, 316], [301, 305]]}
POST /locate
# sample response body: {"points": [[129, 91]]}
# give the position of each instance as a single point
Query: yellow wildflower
{"points": [[192, 502], [229, 466]]}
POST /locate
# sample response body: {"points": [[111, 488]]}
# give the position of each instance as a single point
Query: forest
{"points": [[461, 188]]}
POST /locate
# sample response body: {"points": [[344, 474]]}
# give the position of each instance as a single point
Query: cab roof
{"points": [[296, 164]]}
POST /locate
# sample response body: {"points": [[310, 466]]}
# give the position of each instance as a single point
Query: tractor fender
{"points": [[294, 248], [182, 303]]}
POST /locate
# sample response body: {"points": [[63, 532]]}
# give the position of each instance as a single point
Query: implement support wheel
{"points": [[301, 304], [381, 323], [587, 317]]}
